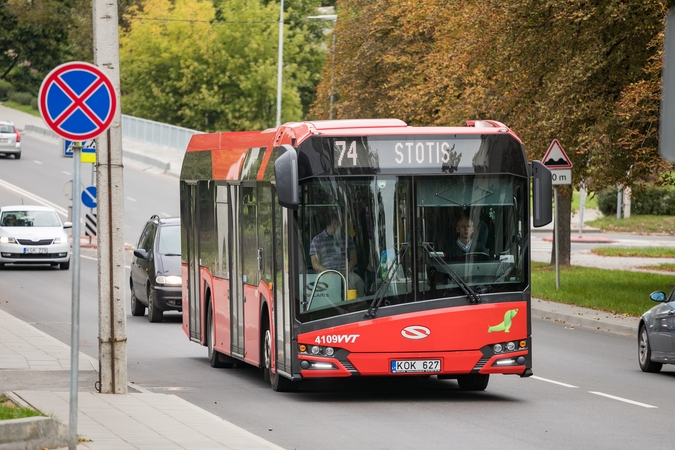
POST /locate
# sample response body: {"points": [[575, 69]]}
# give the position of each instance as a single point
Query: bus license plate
{"points": [[415, 365], [35, 250]]}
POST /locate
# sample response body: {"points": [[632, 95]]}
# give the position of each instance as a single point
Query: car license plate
{"points": [[415, 365], [35, 250], [4, 141]]}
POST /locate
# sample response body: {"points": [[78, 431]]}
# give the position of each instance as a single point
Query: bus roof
{"points": [[228, 149]]}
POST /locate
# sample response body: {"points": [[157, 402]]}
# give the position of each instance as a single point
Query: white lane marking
{"points": [[165, 214], [625, 400], [96, 259], [37, 162], [66, 172], [34, 197], [131, 199], [554, 382]]}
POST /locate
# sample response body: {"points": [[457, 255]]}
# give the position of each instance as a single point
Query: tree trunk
{"points": [[563, 210]]}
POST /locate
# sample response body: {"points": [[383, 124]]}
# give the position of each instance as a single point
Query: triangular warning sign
{"points": [[556, 158]]}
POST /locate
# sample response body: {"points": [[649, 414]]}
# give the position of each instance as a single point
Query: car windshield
{"points": [[397, 240], [30, 219], [169, 240]]}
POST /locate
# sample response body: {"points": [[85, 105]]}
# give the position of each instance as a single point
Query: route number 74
{"points": [[351, 152]]}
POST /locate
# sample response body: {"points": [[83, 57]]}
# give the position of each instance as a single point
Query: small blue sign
{"points": [[89, 145], [89, 197]]}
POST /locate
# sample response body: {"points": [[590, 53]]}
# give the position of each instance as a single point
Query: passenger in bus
{"points": [[465, 243], [327, 251]]}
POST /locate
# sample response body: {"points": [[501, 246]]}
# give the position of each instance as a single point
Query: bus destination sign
{"points": [[447, 154]]}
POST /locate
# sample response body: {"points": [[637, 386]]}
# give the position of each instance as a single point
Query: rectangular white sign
{"points": [[561, 176]]}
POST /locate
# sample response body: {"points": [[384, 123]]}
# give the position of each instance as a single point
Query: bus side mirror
{"points": [[286, 176], [541, 195]]}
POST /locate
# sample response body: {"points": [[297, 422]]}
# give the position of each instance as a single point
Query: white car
{"points": [[33, 235], [10, 139]]}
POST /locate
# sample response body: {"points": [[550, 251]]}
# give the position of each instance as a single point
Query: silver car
{"points": [[656, 333], [10, 139], [33, 235]]}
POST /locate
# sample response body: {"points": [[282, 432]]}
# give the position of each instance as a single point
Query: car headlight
{"points": [[61, 240], [7, 240], [170, 279]]}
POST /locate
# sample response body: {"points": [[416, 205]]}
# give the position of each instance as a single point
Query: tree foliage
{"points": [[586, 73], [34, 38], [214, 66]]}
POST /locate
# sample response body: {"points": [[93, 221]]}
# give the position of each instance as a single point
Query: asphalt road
{"points": [[587, 392]]}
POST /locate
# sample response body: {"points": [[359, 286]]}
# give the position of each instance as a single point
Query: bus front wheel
{"points": [[278, 382]]}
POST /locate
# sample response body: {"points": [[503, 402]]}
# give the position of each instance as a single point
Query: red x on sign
{"points": [[77, 101]]}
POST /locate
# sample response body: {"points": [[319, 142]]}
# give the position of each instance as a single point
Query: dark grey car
{"points": [[156, 269], [656, 333]]}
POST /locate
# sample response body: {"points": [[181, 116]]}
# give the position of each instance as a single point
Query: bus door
{"points": [[236, 276], [193, 291], [283, 318], [250, 272]]}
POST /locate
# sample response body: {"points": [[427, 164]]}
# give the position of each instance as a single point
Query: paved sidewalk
{"points": [[113, 422]]}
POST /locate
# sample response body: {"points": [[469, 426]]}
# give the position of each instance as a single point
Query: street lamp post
{"points": [[280, 61], [332, 17]]}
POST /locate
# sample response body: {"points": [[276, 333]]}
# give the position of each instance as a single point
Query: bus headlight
{"points": [[498, 348], [510, 346]]}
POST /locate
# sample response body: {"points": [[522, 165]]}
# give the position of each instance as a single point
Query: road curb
{"points": [[31, 432], [584, 317]]}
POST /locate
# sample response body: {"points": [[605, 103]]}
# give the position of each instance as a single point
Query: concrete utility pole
{"points": [[112, 340]]}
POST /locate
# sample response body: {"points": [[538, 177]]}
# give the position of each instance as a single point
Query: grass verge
{"points": [[666, 267], [8, 410], [616, 291], [637, 252], [23, 108]]}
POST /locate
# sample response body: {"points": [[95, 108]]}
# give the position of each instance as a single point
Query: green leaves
{"points": [[212, 68], [586, 73]]}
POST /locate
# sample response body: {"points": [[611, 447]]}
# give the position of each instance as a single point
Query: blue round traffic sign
{"points": [[89, 197], [77, 101]]}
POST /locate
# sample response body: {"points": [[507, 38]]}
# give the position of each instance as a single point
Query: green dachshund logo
{"points": [[505, 326]]}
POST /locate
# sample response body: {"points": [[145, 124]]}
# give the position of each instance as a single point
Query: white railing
{"points": [[156, 133]]}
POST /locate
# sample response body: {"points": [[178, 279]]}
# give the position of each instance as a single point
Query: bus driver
{"points": [[327, 251], [465, 242]]}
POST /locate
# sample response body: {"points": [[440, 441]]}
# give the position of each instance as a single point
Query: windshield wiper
{"points": [[470, 293], [381, 291]]}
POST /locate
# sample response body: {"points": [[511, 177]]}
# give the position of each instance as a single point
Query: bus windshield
{"points": [[403, 239]]}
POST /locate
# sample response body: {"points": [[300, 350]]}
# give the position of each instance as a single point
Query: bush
{"points": [[655, 201], [22, 98], [5, 89], [34, 104], [607, 201]]}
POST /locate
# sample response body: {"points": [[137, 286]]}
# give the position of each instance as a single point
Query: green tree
{"points": [[586, 73], [33, 40], [208, 67]]}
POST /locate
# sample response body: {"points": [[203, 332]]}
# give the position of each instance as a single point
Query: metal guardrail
{"points": [[156, 133]]}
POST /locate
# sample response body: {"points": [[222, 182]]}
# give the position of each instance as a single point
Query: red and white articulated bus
{"points": [[405, 302]]}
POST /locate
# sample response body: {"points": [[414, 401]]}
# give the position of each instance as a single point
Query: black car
{"points": [[156, 269], [656, 333]]}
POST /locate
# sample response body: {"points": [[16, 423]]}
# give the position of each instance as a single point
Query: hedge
{"points": [[5, 89], [655, 201]]}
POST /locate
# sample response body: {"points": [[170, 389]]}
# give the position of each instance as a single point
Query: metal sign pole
{"points": [[555, 238], [75, 313]]}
